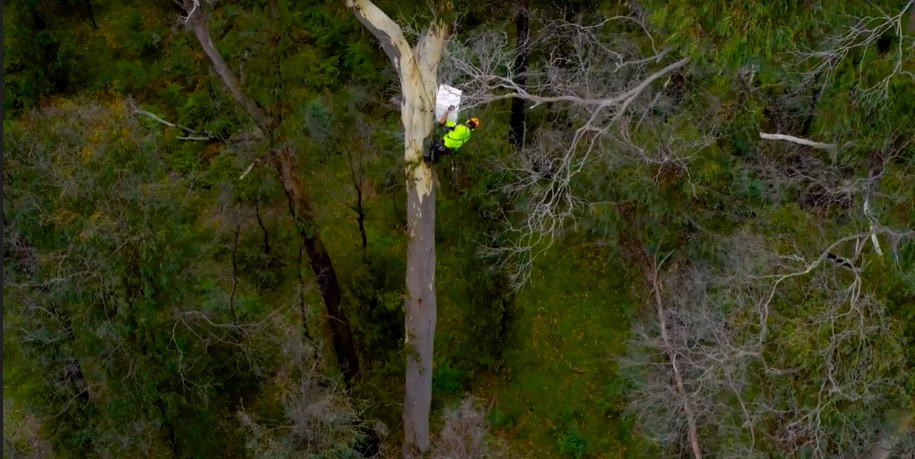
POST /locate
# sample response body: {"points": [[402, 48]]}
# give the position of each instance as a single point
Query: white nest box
{"points": [[447, 96]]}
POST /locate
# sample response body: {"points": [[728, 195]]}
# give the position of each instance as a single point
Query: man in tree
{"points": [[457, 136]]}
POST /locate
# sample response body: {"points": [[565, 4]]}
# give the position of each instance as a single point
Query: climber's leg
{"points": [[430, 154], [437, 151]]}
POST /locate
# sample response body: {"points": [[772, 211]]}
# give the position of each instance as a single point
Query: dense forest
{"points": [[681, 229]]}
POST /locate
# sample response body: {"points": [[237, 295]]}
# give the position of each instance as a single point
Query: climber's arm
{"points": [[444, 121]]}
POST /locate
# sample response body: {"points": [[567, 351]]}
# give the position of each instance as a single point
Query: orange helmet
{"points": [[474, 122]]}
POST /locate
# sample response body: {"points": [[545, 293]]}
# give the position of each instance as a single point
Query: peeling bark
{"points": [[420, 304]]}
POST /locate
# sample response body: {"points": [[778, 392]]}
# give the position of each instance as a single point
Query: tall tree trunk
{"points": [[516, 122], [300, 204], [302, 309], [301, 209], [417, 67], [420, 303], [234, 275], [419, 314], [169, 429]]}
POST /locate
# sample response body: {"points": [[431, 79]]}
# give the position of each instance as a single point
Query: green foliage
{"points": [[447, 380], [727, 35], [108, 299], [498, 419], [319, 422], [572, 443], [38, 60], [378, 308]]}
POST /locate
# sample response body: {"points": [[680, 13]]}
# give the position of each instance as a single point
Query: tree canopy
{"points": [[683, 229]]}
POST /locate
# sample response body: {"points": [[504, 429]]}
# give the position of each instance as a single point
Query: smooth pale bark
{"points": [[300, 203], [798, 140], [417, 69]]}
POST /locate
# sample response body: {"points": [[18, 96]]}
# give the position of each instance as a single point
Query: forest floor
{"points": [[559, 395], [556, 392]]}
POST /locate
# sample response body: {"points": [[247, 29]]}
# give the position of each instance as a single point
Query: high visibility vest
{"points": [[458, 136]]}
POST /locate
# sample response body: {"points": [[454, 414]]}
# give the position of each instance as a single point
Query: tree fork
{"points": [[417, 68]]}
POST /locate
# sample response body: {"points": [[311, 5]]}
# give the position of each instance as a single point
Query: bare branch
{"points": [[249, 169], [599, 79], [194, 5], [385, 30], [798, 140], [465, 433], [870, 216], [843, 353], [195, 135], [672, 356], [863, 33], [199, 23]]}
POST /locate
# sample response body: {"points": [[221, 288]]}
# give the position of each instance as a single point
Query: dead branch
{"points": [[672, 357], [465, 434], [598, 80], [195, 135], [727, 373], [862, 34], [199, 24], [798, 140], [388, 33]]}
